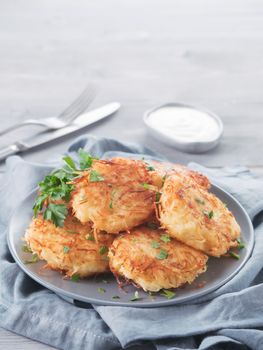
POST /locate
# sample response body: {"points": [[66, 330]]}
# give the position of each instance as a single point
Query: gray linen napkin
{"points": [[229, 318]]}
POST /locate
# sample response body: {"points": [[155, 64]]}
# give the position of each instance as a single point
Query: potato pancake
{"points": [[160, 171], [71, 249], [196, 217], [115, 195], [154, 261]]}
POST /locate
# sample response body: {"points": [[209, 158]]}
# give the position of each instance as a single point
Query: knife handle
{"points": [[9, 150]]}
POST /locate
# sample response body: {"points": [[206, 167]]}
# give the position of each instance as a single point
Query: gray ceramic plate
{"points": [[219, 271]]}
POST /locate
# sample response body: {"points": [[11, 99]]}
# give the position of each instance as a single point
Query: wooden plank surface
{"points": [[141, 53]]}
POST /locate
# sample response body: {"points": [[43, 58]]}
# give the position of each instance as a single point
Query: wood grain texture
{"points": [[141, 53]]}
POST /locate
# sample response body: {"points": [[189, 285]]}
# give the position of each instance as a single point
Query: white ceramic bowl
{"points": [[185, 146]]}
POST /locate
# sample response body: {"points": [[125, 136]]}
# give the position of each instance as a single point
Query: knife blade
{"points": [[80, 122]]}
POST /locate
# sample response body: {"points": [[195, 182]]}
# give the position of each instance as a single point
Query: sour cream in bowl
{"points": [[184, 127]]}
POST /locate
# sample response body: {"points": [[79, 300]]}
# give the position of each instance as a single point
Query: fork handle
{"points": [[9, 150], [19, 125], [12, 127]]}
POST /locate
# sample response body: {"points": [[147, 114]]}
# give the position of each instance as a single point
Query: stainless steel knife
{"points": [[82, 121]]}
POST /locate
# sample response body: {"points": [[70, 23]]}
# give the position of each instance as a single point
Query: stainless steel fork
{"points": [[64, 118]]}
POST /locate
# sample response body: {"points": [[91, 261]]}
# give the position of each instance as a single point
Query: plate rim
{"points": [[151, 304]]}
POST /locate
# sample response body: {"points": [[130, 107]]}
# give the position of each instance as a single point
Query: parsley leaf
{"points": [[70, 162], [55, 187], [115, 297], [155, 244], [56, 213], [33, 260], [157, 197], [209, 214], [240, 245], [164, 178], [58, 186], [165, 238], [85, 159], [113, 192], [103, 250], [152, 225], [66, 249], [234, 255], [75, 278], [90, 237], [101, 290], [150, 168], [168, 293], [26, 249], [199, 201], [95, 176], [39, 203], [146, 186], [162, 255]]}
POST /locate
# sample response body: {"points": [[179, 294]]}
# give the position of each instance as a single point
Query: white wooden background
{"points": [[141, 53]]}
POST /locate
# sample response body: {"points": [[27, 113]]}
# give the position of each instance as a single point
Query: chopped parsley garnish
{"points": [[164, 178], [155, 244], [150, 168], [162, 255], [75, 278], [26, 249], [157, 197], [66, 249], [240, 245], [95, 176], [234, 255], [199, 201], [85, 159], [33, 260], [70, 162], [167, 293], [103, 250], [146, 186], [152, 225], [209, 214], [115, 297], [149, 187], [101, 290], [58, 186], [56, 213], [89, 237], [165, 238], [113, 192], [135, 297]]}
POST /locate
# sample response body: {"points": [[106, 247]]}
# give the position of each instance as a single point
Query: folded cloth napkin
{"points": [[229, 318]]}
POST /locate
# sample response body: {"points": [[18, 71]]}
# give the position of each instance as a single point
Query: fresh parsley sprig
{"points": [[58, 186]]}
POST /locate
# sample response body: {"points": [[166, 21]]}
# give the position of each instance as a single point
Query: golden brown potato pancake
{"points": [[115, 195], [196, 217], [71, 249], [163, 170], [153, 261]]}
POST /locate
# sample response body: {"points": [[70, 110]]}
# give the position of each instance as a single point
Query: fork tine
{"points": [[81, 107], [72, 105], [81, 102]]}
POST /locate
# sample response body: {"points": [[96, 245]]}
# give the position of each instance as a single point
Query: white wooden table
{"points": [[140, 53]]}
